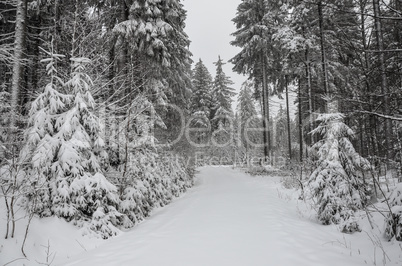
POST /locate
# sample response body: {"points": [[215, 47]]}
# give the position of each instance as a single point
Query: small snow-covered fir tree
{"points": [[337, 183], [41, 146], [64, 151]]}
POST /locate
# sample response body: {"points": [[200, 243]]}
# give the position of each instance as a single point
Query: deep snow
{"points": [[228, 218]]}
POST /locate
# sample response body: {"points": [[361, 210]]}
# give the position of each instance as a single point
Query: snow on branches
{"points": [[338, 183], [63, 152], [393, 222], [69, 174]]}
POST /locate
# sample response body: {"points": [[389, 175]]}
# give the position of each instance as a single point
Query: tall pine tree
{"points": [[222, 95], [248, 120], [201, 100]]}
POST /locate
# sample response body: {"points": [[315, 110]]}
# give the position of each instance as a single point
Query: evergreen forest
{"points": [[105, 115]]}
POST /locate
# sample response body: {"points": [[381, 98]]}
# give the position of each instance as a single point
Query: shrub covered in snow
{"points": [[150, 181], [337, 182], [393, 221]]}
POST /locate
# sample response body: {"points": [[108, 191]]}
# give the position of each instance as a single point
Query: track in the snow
{"points": [[228, 218]]}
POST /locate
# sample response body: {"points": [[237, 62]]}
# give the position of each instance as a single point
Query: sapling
{"points": [[337, 183]]}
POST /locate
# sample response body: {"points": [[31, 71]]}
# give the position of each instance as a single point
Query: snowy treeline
{"points": [[341, 59], [64, 170], [211, 108]]}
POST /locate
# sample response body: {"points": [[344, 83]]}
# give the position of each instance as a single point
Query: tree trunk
{"points": [[372, 138], [323, 56], [74, 40], [109, 92], [288, 118], [121, 71], [300, 122], [384, 85], [36, 61], [265, 107], [19, 47], [310, 95], [123, 66]]}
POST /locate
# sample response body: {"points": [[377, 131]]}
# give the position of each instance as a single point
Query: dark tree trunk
{"points": [[288, 118], [384, 85], [323, 55], [299, 97], [19, 48], [310, 95], [265, 107]]}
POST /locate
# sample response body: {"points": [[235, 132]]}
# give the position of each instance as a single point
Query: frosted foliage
{"points": [[102, 222], [393, 222], [5, 114], [202, 89], [200, 119], [222, 113], [65, 155], [291, 40], [64, 148], [139, 123], [152, 26], [338, 183], [145, 179], [222, 94], [246, 106], [150, 181], [247, 115]]}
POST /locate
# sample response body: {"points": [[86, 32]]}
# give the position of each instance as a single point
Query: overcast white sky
{"points": [[209, 27]]}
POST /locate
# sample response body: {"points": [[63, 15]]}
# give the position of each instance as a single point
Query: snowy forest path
{"points": [[228, 218]]}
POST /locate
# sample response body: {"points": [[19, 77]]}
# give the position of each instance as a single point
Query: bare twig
{"points": [[15, 261], [81, 245]]}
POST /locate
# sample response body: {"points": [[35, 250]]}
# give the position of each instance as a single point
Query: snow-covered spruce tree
{"points": [[221, 112], [201, 100], [337, 183], [222, 95], [64, 152], [247, 116], [41, 146]]}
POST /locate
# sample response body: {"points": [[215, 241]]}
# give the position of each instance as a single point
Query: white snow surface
{"points": [[227, 218]]}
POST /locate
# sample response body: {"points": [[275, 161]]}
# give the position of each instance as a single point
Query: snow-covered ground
{"points": [[228, 218]]}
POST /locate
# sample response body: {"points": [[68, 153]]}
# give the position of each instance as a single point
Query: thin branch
{"points": [[384, 51], [381, 115], [14, 261]]}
